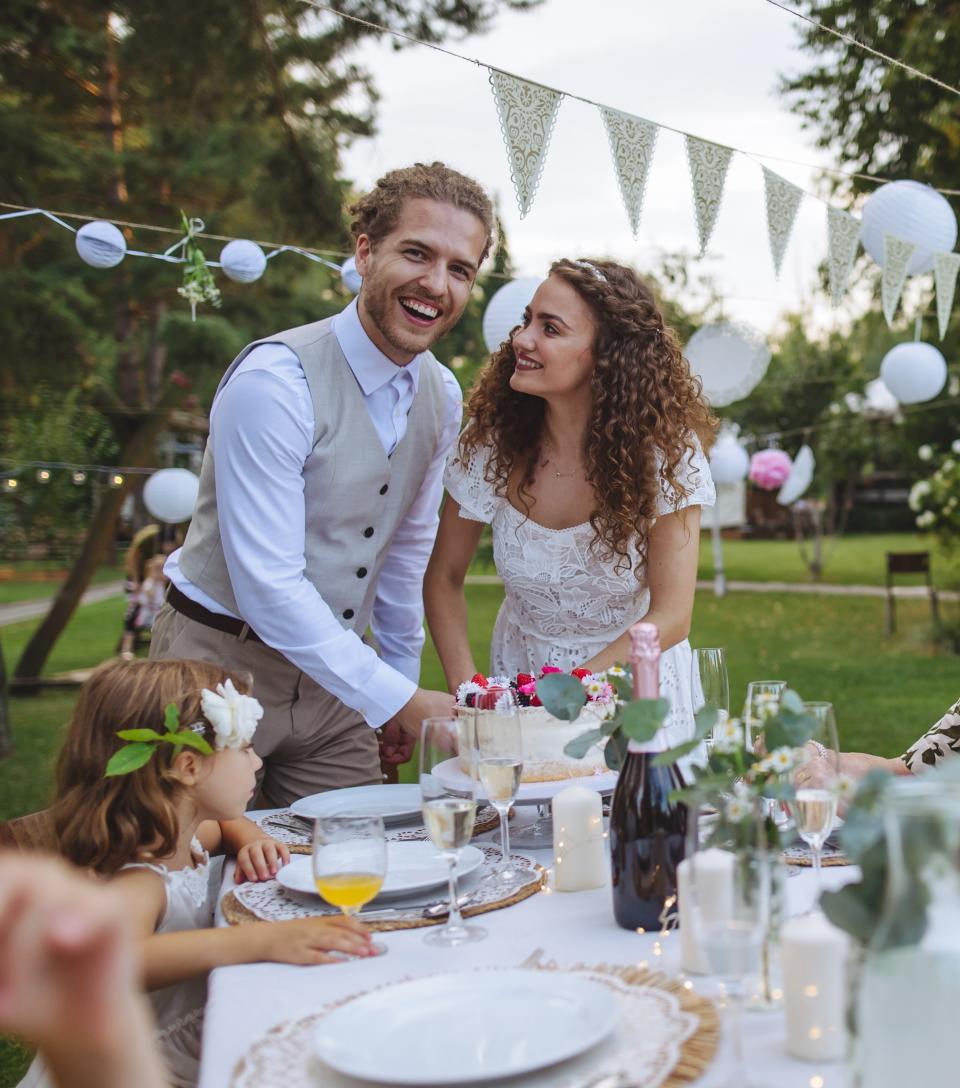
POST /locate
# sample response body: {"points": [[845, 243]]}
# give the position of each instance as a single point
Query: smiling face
{"points": [[553, 350], [417, 279]]}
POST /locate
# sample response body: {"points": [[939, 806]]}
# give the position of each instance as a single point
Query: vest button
{"points": [[368, 532], [348, 614], [362, 572], [384, 489]]}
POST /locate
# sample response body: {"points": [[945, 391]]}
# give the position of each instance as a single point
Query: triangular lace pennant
{"points": [[896, 259], [708, 170], [527, 115], [632, 141], [783, 200], [945, 268], [843, 238]]}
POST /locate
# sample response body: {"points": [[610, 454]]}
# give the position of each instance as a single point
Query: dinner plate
{"points": [[465, 1027], [394, 803], [451, 775], [411, 867]]}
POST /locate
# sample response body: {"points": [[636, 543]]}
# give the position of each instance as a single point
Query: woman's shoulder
{"points": [[692, 482], [466, 481]]}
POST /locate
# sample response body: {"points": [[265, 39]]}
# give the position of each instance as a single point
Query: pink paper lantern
{"points": [[770, 468]]}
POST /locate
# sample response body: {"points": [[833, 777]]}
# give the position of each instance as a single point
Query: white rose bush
{"points": [[936, 500]]}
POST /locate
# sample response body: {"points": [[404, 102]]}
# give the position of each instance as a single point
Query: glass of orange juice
{"points": [[349, 861]]}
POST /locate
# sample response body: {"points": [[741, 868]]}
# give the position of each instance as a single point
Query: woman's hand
{"points": [[308, 941], [261, 859]]}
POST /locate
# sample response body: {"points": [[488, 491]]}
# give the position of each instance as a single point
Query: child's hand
{"points": [[260, 859], [308, 941]]}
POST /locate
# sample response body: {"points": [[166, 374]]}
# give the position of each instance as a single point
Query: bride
{"points": [[583, 453]]}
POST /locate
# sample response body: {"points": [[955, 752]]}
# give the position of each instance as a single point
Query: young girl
{"points": [[145, 602], [150, 820]]}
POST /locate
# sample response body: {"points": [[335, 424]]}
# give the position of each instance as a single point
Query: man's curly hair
{"points": [[646, 406], [376, 214]]}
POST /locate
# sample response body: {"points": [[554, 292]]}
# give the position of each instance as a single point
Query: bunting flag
{"points": [[708, 170], [527, 115], [945, 268], [896, 259], [843, 238], [783, 200], [632, 142]]}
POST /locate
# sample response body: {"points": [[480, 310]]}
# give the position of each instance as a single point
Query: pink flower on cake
{"points": [[547, 669]]}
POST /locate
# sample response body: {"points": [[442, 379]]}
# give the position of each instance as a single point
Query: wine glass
{"points": [[711, 685], [350, 862], [499, 767], [448, 813], [763, 701], [815, 781], [729, 901]]}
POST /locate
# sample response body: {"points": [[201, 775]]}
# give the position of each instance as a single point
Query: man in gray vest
{"points": [[319, 494]]}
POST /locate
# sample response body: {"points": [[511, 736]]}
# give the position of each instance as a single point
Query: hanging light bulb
{"points": [[10, 483], [43, 475], [116, 479], [79, 477]]}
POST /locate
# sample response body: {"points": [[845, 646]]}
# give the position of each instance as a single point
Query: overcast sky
{"points": [[706, 67]]}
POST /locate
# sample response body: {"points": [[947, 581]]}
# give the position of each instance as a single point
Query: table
{"points": [[571, 927]]}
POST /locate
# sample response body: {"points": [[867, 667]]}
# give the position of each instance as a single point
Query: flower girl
{"points": [[154, 774]]}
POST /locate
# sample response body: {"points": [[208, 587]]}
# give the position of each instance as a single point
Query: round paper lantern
{"points": [[352, 279], [242, 260], [171, 494], [770, 468], [730, 359], [914, 371], [505, 309], [729, 461], [912, 211], [101, 244], [800, 478]]}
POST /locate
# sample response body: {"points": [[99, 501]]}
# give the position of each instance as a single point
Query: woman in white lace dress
{"points": [[583, 453]]}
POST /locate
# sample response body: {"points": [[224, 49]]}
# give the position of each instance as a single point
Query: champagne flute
{"points": [[499, 767], [763, 701], [815, 781], [448, 814], [350, 862], [711, 685]]}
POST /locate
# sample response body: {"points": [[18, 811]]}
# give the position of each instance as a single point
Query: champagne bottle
{"points": [[647, 829]]}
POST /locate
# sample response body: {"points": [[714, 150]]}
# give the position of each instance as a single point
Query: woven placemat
{"points": [[800, 855]]}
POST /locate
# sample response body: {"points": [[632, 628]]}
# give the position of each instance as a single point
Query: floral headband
{"points": [[234, 718]]}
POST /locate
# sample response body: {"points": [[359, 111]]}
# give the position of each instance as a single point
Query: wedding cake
{"points": [[544, 736]]}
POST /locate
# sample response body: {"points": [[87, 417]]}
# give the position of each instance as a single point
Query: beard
{"points": [[383, 308]]}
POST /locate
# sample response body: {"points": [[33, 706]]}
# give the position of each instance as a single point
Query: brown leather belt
{"points": [[193, 611]]}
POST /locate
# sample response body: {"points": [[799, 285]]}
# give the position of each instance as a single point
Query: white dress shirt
{"points": [[261, 430]]}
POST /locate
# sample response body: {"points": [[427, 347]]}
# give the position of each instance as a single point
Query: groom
{"points": [[319, 493]]}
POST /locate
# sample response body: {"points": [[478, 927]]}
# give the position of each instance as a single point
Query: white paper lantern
{"points": [[242, 260], [352, 279], [505, 309], [914, 371], [101, 244], [729, 461], [730, 359], [800, 478], [171, 494], [912, 211]]}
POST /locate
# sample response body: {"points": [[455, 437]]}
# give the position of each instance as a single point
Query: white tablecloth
{"points": [[571, 928]]}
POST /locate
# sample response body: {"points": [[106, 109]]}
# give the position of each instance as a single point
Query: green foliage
{"points": [[133, 756], [562, 695], [936, 499]]}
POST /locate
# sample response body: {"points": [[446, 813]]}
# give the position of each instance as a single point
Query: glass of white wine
{"points": [[711, 685], [448, 814], [499, 768], [350, 862], [815, 780]]}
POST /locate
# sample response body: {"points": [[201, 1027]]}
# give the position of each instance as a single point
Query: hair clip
{"points": [[592, 268]]}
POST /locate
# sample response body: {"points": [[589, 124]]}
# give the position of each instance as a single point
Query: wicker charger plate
{"points": [[800, 854], [283, 1057]]}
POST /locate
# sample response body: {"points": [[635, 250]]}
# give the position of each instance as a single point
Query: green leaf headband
{"points": [[131, 757]]}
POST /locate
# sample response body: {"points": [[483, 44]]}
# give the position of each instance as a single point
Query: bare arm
{"points": [[672, 553], [444, 599]]}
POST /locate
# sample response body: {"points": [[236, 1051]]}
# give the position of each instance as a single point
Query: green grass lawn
{"points": [[30, 589]]}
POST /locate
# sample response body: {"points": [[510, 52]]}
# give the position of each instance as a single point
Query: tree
{"points": [[133, 111]]}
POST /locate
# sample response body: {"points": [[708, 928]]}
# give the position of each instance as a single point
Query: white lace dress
{"points": [[563, 603]]}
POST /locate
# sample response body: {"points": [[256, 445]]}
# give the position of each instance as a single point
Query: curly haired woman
{"points": [[584, 453]]}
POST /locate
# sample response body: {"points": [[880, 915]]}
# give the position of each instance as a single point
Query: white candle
{"points": [[579, 858], [714, 876], [814, 957]]}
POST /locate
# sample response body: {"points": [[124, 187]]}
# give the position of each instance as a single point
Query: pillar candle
{"points": [[714, 872], [579, 857], [814, 957]]}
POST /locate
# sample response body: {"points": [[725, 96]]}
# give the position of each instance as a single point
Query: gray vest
{"points": [[355, 495]]}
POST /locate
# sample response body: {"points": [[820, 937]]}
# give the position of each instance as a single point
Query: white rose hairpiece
{"points": [[233, 716]]}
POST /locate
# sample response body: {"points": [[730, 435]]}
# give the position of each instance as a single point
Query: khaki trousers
{"points": [[308, 739]]}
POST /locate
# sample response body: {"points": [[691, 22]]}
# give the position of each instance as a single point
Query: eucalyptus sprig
{"points": [[133, 756], [198, 282]]}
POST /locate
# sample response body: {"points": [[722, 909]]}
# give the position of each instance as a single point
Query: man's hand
{"points": [[396, 744], [424, 704]]}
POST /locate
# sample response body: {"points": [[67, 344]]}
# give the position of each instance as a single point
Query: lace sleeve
{"points": [[939, 742], [693, 472], [466, 485]]}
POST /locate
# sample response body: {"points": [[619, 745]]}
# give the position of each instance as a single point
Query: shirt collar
{"points": [[370, 366]]}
